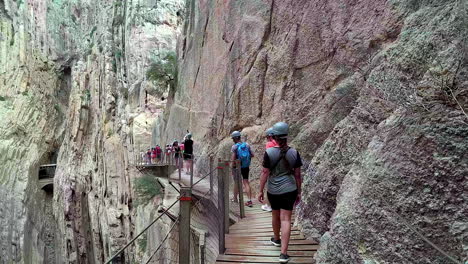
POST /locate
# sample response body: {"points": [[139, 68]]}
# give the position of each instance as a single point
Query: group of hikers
{"points": [[171, 152], [281, 173]]}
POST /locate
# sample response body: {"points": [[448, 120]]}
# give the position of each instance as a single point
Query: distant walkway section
{"points": [[46, 177]]}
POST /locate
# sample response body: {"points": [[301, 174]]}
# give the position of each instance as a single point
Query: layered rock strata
{"points": [[72, 80], [376, 95]]}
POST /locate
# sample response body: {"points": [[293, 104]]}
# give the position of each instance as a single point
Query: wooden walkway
{"points": [[248, 241]]}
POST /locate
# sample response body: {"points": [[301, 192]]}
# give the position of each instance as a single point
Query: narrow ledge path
{"points": [[248, 241]]}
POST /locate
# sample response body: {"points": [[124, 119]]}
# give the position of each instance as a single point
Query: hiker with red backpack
{"points": [[242, 151], [271, 143], [148, 156], [158, 153], [282, 170], [153, 156]]}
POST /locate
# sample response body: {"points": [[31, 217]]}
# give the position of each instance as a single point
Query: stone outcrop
{"points": [[72, 81], [376, 95]]}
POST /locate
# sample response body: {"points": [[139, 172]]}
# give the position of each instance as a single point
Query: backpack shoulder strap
{"points": [[281, 157]]}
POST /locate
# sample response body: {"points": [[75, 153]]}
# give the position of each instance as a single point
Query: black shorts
{"points": [[283, 201], [245, 173], [187, 156]]}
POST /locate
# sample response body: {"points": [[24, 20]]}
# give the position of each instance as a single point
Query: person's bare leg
{"points": [[285, 217], [276, 223], [247, 188]]}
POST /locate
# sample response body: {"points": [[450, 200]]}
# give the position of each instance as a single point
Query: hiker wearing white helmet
{"points": [[282, 169], [242, 151], [271, 143]]}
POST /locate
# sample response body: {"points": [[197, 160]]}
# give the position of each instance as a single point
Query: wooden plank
{"points": [[269, 253], [253, 243], [276, 262], [252, 226], [261, 238], [249, 259], [260, 233], [271, 247]]}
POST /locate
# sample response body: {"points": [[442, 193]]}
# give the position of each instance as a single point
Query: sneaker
{"points": [[249, 204], [266, 207], [283, 258], [276, 243]]}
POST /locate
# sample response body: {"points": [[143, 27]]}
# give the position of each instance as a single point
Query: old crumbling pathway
{"points": [[248, 241]]}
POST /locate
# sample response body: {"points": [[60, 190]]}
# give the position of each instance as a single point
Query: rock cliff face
{"points": [[72, 80], [376, 93]]}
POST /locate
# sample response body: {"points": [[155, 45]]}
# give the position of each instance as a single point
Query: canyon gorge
{"points": [[375, 93]]}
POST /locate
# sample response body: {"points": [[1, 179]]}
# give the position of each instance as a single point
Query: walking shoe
{"points": [[266, 207], [249, 204], [276, 243], [283, 258]]}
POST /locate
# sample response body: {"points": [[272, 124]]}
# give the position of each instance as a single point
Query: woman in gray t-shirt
{"points": [[282, 170]]}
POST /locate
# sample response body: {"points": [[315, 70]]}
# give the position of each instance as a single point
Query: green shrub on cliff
{"points": [[163, 71], [143, 242], [146, 187]]}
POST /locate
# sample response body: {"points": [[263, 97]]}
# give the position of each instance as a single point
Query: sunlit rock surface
{"points": [[72, 81]]}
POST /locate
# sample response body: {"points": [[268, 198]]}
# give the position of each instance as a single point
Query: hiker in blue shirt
{"points": [[242, 151]]}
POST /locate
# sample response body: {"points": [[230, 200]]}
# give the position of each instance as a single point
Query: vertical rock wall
{"points": [[71, 74], [376, 95]]}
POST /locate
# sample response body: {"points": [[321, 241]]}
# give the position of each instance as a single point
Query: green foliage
{"points": [[163, 70], [86, 96], [2, 98], [142, 242], [57, 108], [73, 18], [118, 54], [92, 31], [147, 187], [110, 132], [118, 20], [124, 92]]}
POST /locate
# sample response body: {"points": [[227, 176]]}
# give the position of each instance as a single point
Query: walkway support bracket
{"points": [[184, 225], [211, 176]]}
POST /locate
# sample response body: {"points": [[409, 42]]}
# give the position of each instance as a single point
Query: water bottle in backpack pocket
{"points": [[243, 154]]}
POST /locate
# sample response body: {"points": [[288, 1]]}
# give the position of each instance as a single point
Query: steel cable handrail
{"points": [[401, 219], [202, 178], [139, 234], [164, 240]]}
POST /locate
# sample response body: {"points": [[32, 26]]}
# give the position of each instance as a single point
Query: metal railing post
{"points": [[202, 242], [211, 176], [184, 225], [180, 162], [221, 208], [226, 197], [238, 178], [191, 170]]}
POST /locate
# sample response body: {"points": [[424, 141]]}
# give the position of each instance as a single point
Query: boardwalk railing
{"points": [[47, 171], [224, 173]]}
